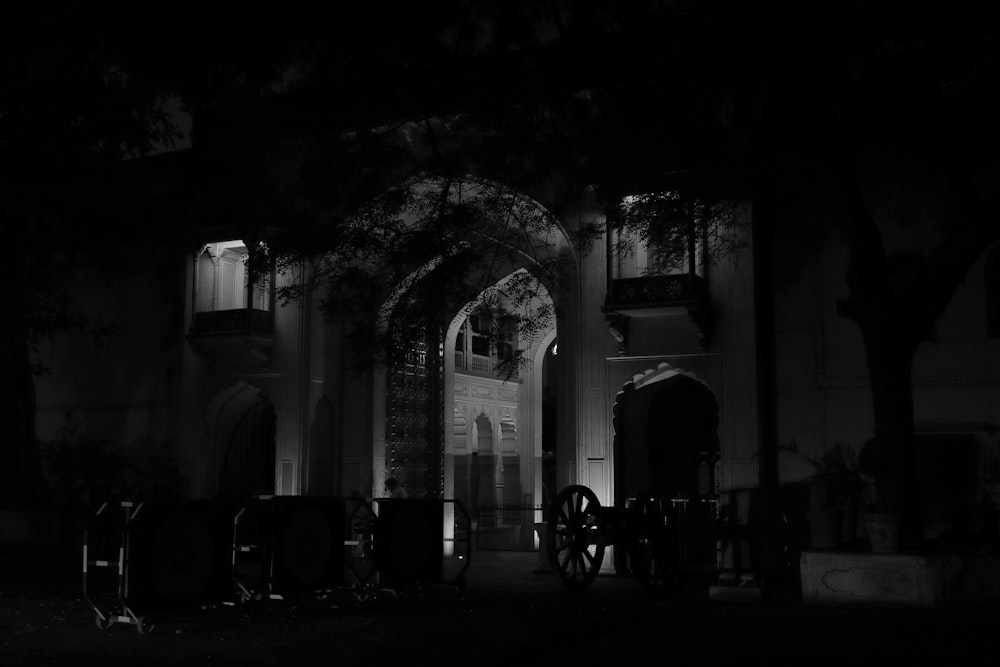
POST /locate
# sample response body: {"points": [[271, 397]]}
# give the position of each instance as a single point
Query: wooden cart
{"points": [[646, 532]]}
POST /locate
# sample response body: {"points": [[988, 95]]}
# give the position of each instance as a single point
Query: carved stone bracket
{"points": [[618, 326], [703, 320]]}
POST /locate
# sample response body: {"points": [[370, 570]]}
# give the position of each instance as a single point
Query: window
{"points": [[225, 280], [484, 341]]}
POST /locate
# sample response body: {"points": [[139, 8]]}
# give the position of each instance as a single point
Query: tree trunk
{"points": [[22, 480], [890, 362]]}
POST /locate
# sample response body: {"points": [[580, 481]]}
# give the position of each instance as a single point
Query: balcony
{"points": [[483, 366], [658, 296], [233, 338], [655, 292]]}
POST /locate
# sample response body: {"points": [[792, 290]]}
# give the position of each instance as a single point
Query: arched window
{"points": [[485, 341]]}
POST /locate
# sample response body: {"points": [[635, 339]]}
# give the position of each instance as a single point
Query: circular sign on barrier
{"points": [[308, 545], [183, 555]]}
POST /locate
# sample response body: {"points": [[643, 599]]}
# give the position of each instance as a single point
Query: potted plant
{"points": [[881, 525], [836, 492]]}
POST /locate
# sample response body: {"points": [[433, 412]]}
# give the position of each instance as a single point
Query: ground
{"points": [[507, 613]]}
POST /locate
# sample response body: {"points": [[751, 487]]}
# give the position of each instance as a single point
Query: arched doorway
{"points": [[667, 445], [525, 262], [484, 473], [248, 463], [240, 457]]}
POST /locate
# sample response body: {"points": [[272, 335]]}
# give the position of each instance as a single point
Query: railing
{"points": [[479, 364], [507, 527], [679, 288], [475, 364]]}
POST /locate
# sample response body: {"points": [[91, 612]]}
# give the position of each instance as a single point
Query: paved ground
{"points": [[507, 613]]}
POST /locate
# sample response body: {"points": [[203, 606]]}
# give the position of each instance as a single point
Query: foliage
{"points": [[84, 472], [676, 225], [426, 251], [838, 481]]}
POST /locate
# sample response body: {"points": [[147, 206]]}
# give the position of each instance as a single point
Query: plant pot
{"points": [[825, 528], [883, 532]]}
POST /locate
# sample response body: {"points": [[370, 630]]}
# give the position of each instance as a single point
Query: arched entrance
{"points": [[412, 410], [667, 445], [248, 452]]}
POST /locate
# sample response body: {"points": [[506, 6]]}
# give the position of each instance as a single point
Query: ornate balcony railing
{"points": [[657, 295], [481, 366], [226, 321], [680, 289], [233, 338]]}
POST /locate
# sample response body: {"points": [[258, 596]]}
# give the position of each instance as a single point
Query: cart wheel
{"points": [[103, 622], [574, 548], [650, 553], [144, 625]]}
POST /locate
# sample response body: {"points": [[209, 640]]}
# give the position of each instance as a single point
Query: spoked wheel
{"points": [[573, 536], [651, 552], [144, 625]]}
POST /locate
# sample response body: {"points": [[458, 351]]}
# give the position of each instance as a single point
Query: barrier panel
{"points": [[409, 541], [145, 557], [142, 558]]}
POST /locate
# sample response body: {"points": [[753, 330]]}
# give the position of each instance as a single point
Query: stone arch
{"points": [[242, 425], [549, 238], [666, 423], [484, 470], [555, 237], [224, 420], [483, 433], [640, 412]]}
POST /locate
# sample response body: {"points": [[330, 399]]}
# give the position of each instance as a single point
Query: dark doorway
{"points": [[667, 444], [248, 467]]}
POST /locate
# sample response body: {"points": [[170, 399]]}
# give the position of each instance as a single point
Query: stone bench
{"points": [[859, 577]]}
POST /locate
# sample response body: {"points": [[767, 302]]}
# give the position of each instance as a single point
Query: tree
{"points": [[73, 107], [865, 120]]}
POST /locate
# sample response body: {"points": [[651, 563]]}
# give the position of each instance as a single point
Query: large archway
{"points": [[394, 449], [419, 397], [667, 444]]}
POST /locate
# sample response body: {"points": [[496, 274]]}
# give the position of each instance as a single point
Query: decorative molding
{"points": [[663, 371], [618, 326], [507, 394], [482, 391]]}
